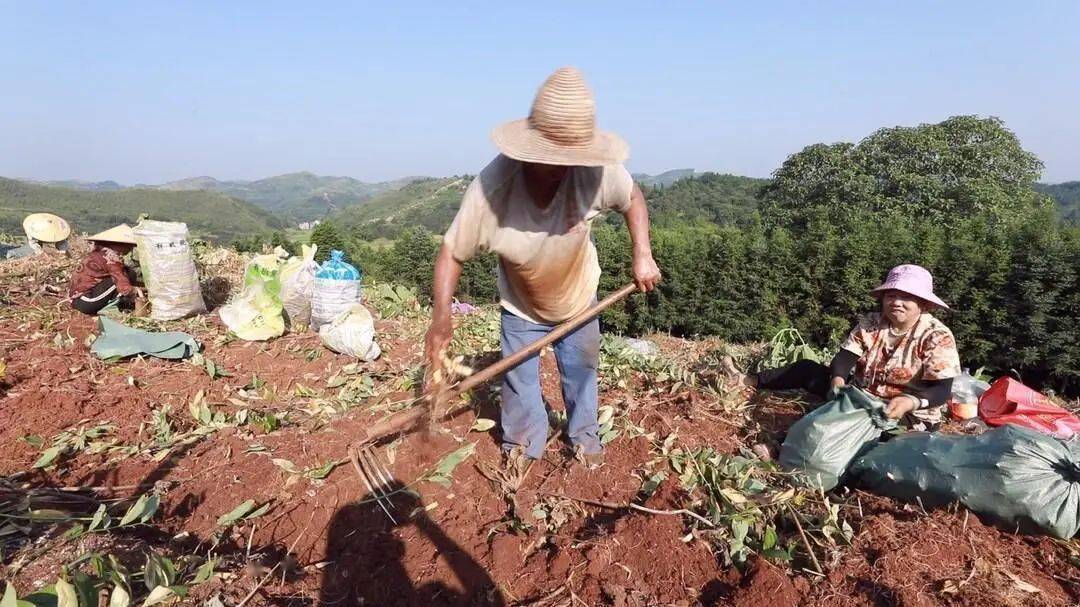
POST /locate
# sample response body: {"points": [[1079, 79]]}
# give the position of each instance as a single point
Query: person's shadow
{"points": [[367, 560]]}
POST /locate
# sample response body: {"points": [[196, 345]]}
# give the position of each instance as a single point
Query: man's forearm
{"points": [[637, 223], [447, 275]]}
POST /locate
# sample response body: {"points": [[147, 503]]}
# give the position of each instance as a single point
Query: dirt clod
{"points": [[765, 584]]}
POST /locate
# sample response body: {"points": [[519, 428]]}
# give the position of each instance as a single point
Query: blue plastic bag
{"points": [[336, 268], [336, 291]]}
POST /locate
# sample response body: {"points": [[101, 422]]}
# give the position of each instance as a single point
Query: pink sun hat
{"points": [[913, 280]]}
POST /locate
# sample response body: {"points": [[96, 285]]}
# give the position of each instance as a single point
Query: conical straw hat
{"points": [[561, 128], [121, 233], [46, 227]]}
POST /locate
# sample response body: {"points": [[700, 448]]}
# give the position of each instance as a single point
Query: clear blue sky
{"points": [[155, 91]]}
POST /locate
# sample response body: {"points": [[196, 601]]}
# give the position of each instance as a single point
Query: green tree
{"points": [[279, 239], [411, 260], [478, 283], [327, 237], [939, 172], [260, 243]]}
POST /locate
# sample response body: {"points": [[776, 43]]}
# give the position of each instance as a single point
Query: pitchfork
{"points": [[380, 482]]}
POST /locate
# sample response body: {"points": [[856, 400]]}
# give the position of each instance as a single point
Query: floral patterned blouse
{"points": [[891, 365], [103, 262]]}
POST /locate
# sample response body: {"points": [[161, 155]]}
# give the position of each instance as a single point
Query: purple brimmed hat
{"points": [[912, 279]]}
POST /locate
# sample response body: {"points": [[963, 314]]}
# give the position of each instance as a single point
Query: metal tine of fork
{"points": [[378, 478], [364, 475], [379, 488], [382, 478], [382, 467]]}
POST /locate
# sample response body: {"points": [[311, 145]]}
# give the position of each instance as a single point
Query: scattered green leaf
{"points": [[49, 456], [65, 594], [33, 440], [142, 510], [119, 597], [443, 472], [237, 513], [482, 425]]}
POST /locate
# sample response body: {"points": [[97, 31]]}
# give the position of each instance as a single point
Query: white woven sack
{"points": [[172, 282], [298, 287], [332, 298], [352, 334]]}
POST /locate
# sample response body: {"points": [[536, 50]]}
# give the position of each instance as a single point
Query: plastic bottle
{"points": [[964, 403]]}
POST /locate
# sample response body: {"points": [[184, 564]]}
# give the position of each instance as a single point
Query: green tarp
{"points": [[119, 341], [1016, 477], [825, 441]]}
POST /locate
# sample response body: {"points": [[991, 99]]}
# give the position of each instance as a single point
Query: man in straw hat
{"points": [[102, 277], [532, 206]]}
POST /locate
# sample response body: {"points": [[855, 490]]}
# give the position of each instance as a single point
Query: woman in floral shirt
{"points": [[901, 354]]}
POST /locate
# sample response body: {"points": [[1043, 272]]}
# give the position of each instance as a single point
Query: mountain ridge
{"points": [[299, 196], [210, 215], [664, 179]]}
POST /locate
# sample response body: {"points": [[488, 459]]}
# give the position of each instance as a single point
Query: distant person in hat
{"points": [[902, 354], [102, 277], [42, 229], [533, 206]]}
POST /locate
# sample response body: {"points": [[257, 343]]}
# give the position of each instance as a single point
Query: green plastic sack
{"points": [[825, 441], [1015, 477], [256, 314]]}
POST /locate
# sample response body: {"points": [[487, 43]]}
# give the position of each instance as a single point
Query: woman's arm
{"points": [[841, 367], [938, 392]]}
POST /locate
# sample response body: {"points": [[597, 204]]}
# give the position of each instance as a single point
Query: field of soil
{"points": [[474, 534]]}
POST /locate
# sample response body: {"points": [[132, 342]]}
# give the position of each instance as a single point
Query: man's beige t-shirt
{"points": [[548, 270]]}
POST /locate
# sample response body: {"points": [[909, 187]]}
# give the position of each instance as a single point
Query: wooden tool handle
{"points": [[403, 420], [534, 348]]}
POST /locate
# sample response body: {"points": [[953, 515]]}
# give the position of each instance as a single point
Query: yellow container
{"points": [[964, 410]]}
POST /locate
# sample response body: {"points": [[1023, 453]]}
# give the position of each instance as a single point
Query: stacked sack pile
{"points": [[296, 292]]}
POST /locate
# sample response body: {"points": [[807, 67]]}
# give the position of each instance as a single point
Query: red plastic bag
{"points": [[1011, 402]]}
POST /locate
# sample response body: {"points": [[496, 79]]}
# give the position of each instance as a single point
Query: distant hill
{"points": [[209, 215], [1067, 196], [663, 179], [431, 203], [297, 196], [107, 186], [709, 197]]}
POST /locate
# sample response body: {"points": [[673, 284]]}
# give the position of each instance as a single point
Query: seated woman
{"points": [[901, 354], [102, 277]]}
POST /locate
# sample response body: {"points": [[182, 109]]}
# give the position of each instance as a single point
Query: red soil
{"points": [[454, 545]]}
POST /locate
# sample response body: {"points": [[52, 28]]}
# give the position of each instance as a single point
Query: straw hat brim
{"points": [[518, 140], [46, 227], [121, 234]]}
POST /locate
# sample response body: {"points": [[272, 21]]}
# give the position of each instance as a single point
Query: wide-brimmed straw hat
{"points": [[913, 280], [561, 127], [122, 234], [46, 227]]}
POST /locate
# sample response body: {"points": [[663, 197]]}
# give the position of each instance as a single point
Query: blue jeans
{"points": [[524, 418]]}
